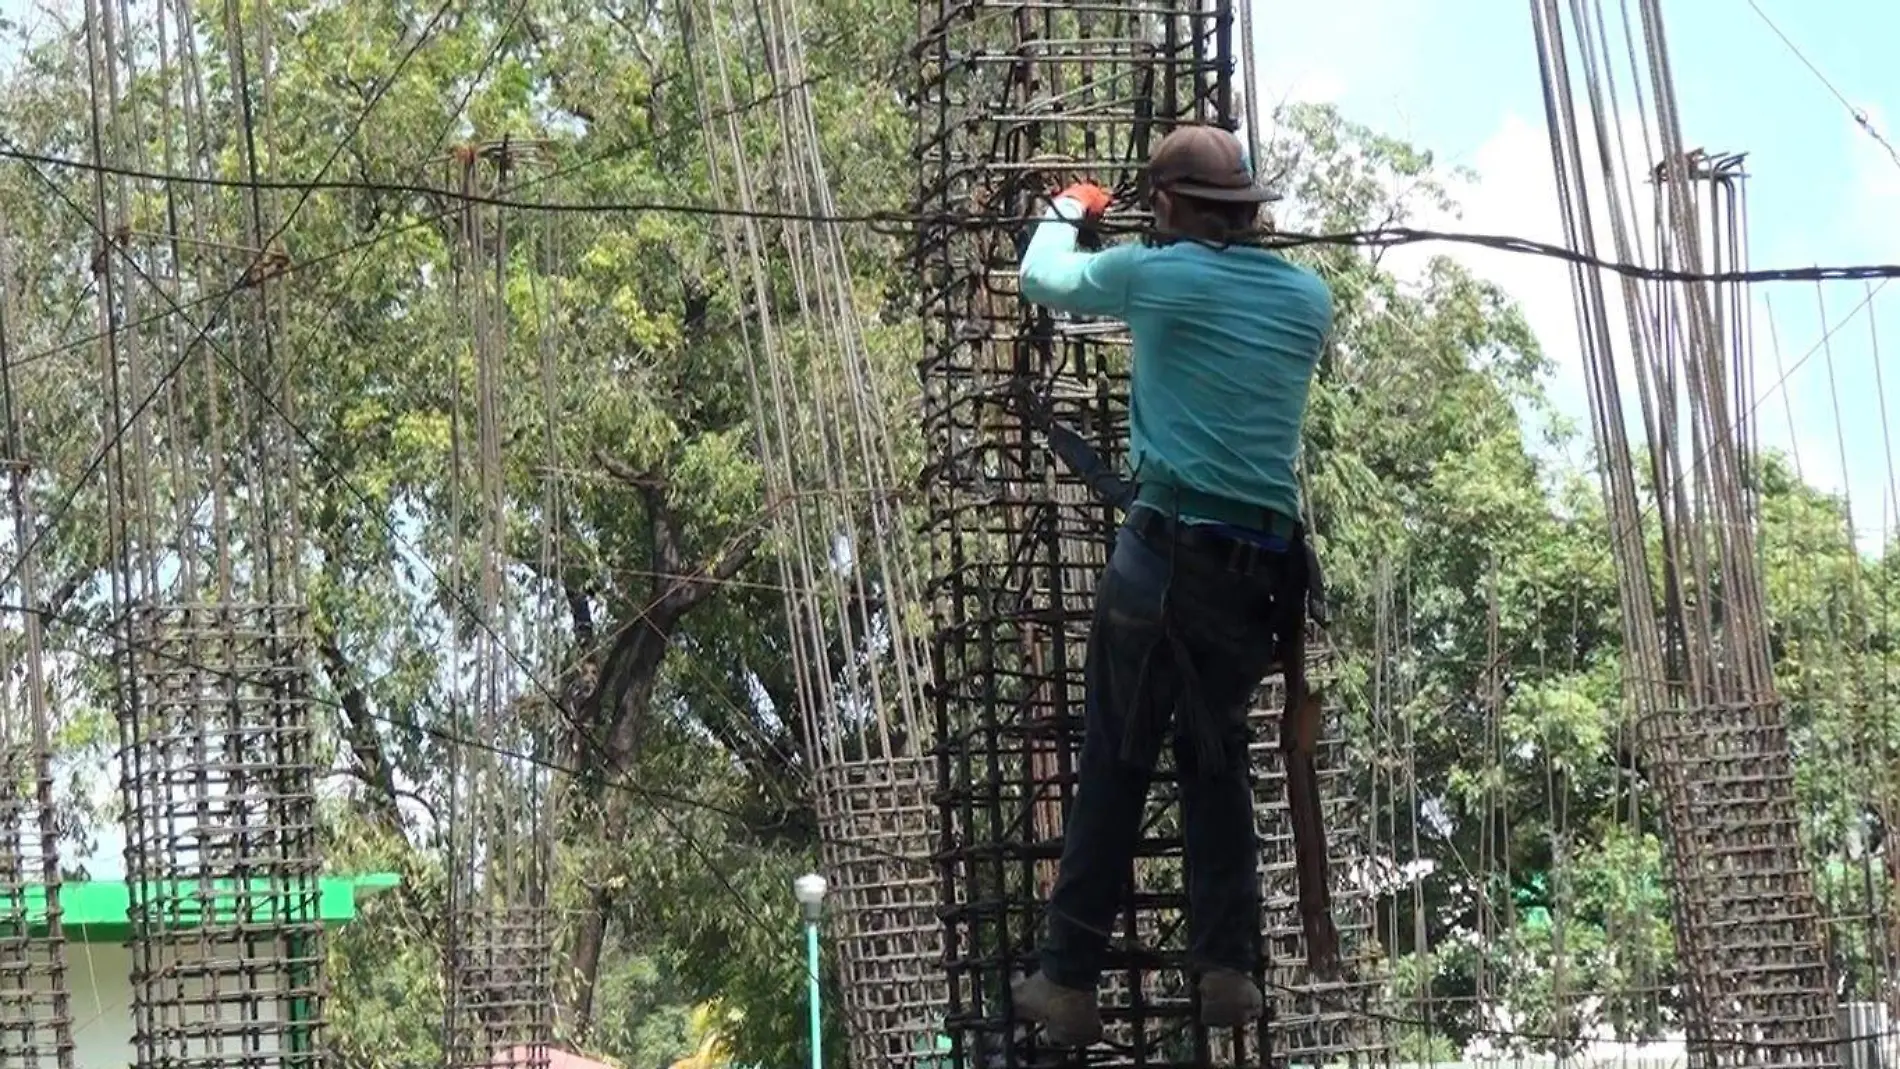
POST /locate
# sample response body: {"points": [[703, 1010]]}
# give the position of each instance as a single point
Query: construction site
{"points": [[472, 541]]}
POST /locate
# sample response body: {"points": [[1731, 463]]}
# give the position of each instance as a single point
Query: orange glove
{"points": [[1093, 198]]}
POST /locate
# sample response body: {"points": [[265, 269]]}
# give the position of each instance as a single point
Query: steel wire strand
{"points": [[124, 425], [814, 417], [778, 433], [900, 222], [639, 617], [427, 220], [839, 320]]}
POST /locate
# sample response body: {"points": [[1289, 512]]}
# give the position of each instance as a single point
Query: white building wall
{"points": [[99, 980]]}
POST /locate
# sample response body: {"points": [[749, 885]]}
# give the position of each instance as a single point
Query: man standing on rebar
{"points": [[1208, 572]]}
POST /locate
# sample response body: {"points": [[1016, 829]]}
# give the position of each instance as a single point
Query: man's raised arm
{"points": [[1057, 274]]}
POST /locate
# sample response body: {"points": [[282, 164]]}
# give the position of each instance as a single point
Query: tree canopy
{"points": [[1470, 575]]}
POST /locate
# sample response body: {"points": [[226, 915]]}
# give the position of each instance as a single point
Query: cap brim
{"points": [[1226, 194]]}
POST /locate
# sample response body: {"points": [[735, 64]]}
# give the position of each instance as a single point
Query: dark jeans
{"points": [[1222, 623]]}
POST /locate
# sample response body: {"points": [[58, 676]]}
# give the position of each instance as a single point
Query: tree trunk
{"points": [[365, 742], [589, 938], [609, 726], [621, 700]]}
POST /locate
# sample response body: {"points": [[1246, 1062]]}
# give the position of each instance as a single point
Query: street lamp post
{"points": [[810, 892]]}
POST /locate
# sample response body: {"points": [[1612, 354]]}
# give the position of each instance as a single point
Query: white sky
{"points": [[1459, 78]]}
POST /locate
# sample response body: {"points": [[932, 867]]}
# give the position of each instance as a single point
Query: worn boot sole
{"points": [[1078, 1025], [1233, 1003], [1228, 1016]]}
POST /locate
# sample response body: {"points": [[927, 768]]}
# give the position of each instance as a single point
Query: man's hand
{"points": [[1093, 198]]}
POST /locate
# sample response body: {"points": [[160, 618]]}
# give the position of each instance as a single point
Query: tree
{"points": [[639, 553], [623, 351], [1482, 601]]}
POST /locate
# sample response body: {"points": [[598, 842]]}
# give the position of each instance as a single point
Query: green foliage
{"points": [[1474, 589], [1482, 613], [644, 1020], [1478, 592]]}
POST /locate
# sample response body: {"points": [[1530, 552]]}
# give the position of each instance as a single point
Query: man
{"points": [[1207, 580]]}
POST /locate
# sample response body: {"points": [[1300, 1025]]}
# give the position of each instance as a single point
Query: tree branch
{"points": [[667, 559], [580, 609], [654, 75], [356, 773], [365, 742], [664, 522], [64, 593], [790, 745], [624, 472], [565, 97], [688, 591]]}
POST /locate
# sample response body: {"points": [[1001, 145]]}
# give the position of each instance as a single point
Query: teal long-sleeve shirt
{"points": [[1226, 342]]}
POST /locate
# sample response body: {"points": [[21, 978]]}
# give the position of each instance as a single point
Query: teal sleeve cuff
{"points": [[1055, 274], [1065, 208]]}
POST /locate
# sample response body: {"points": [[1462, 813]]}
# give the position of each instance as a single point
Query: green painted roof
{"points": [[98, 911]]}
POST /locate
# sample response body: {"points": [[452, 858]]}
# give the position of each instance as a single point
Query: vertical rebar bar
{"points": [[1012, 100]]}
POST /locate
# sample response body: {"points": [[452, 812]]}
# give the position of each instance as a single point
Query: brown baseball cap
{"points": [[1206, 162]]}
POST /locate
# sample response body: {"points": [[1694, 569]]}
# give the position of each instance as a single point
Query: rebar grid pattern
{"points": [[1012, 101], [35, 1010], [1308, 1020], [503, 971], [35, 1015], [1312, 1020], [221, 841], [889, 941], [500, 937], [1748, 928]]}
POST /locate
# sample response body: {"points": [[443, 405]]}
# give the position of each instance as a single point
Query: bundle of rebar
{"points": [[216, 759], [1699, 672], [500, 933], [35, 1006], [837, 519]]}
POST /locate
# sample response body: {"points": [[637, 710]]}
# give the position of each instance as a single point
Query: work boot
{"points": [[1069, 1018], [1229, 999]]}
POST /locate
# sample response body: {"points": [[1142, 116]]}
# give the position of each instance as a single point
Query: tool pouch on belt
{"points": [[1299, 743]]}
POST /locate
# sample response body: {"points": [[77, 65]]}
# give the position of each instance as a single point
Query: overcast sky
{"points": [[1460, 78]]}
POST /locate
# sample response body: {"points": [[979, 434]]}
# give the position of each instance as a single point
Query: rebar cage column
{"points": [[500, 939], [1013, 100], [1749, 932], [35, 1009], [1312, 1020], [221, 850], [502, 974], [878, 845]]}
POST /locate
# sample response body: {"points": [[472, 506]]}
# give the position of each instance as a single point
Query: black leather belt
{"points": [[1239, 556]]}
